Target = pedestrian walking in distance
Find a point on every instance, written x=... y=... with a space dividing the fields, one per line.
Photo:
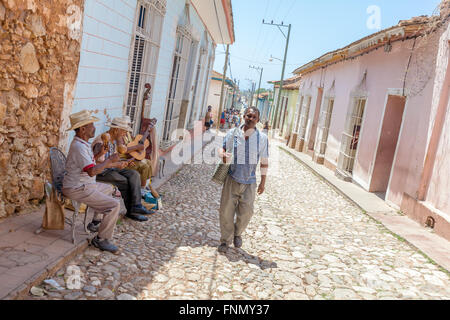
x=249 y=146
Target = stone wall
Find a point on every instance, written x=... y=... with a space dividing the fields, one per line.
x=39 y=56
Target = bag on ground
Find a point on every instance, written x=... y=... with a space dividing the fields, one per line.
x=54 y=210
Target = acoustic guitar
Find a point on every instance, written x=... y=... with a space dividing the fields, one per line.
x=140 y=140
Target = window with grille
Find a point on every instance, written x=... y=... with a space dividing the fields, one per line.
x=206 y=86
x=350 y=138
x=194 y=95
x=182 y=48
x=144 y=57
x=325 y=124
x=304 y=117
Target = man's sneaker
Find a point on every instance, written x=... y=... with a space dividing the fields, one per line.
x=93 y=226
x=237 y=241
x=137 y=217
x=223 y=248
x=140 y=209
x=104 y=245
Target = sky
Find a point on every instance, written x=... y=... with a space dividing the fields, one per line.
x=318 y=26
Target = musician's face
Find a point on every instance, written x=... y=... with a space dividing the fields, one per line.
x=121 y=133
x=88 y=130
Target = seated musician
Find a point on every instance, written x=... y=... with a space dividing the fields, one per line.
x=127 y=181
x=79 y=181
x=144 y=167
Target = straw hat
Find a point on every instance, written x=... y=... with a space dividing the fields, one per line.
x=82 y=118
x=120 y=123
x=127 y=119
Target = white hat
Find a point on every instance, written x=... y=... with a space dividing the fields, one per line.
x=127 y=119
x=80 y=119
x=120 y=123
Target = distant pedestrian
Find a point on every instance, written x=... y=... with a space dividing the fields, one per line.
x=222 y=120
x=266 y=128
x=239 y=190
x=208 y=118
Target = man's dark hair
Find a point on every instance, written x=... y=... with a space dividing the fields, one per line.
x=77 y=130
x=254 y=109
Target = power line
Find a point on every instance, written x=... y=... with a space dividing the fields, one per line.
x=265 y=63
x=259 y=32
x=290 y=9
x=273 y=38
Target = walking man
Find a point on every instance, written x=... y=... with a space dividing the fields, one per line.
x=80 y=183
x=249 y=146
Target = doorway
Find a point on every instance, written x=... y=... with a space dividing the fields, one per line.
x=286 y=101
x=387 y=144
x=312 y=138
x=326 y=121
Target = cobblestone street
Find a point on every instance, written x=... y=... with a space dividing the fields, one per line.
x=305 y=241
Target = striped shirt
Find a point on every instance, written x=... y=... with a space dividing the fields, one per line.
x=247 y=154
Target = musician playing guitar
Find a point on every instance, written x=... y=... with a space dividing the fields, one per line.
x=141 y=164
x=128 y=181
x=143 y=148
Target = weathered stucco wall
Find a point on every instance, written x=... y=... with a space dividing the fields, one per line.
x=39 y=55
x=439 y=189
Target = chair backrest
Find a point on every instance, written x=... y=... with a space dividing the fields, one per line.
x=58 y=168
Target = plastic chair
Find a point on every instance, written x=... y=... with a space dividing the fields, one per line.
x=58 y=169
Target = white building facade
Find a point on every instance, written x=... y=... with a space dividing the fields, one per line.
x=170 y=45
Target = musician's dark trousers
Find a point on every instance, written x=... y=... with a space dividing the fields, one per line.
x=128 y=182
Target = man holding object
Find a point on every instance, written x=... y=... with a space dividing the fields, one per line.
x=80 y=179
x=239 y=190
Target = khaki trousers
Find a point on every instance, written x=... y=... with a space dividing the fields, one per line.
x=145 y=170
x=95 y=197
x=237 y=200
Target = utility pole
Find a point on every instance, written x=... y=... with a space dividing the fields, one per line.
x=260 y=70
x=284 y=62
x=223 y=87
x=251 y=92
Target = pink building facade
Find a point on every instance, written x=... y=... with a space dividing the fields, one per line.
x=376 y=112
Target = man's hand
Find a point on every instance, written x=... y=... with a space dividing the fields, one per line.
x=104 y=150
x=226 y=157
x=99 y=150
x=261 y=188
x=123 y=164
x=114 y=158
x=140 y=147
x=119 y=165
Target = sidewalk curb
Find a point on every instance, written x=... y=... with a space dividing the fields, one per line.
x=22 y=291
x=422 y=242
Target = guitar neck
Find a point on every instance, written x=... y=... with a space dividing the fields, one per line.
x=144 y=137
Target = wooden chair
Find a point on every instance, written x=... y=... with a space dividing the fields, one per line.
x=58 y=169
